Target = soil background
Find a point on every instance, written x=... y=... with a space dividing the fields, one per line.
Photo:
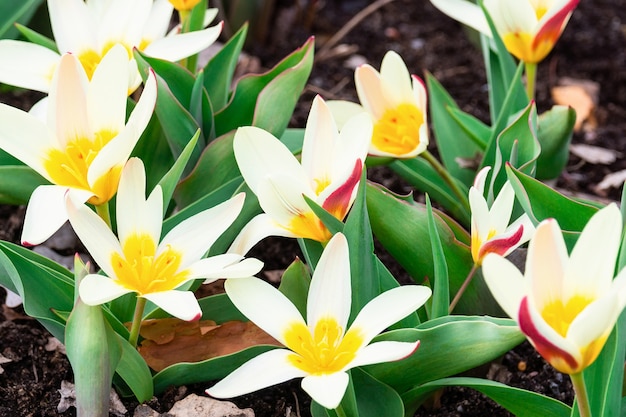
x=593 y=48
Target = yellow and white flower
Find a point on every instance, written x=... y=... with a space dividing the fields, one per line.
x=90 y=29
x=84 y=143
x=329 y=174
x=142 y=262
x=324 y=346
x=565 y=305
x=396 y=101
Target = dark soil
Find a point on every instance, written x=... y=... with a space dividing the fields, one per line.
x=592 y=48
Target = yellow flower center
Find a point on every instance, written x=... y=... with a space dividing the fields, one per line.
x=140 y=270
x=69 y=167
x=309 y=226
x=398 y=131
x=560 y=316
x=520 y=44
x=90 y=59
x=477 y=244
x=184 y=5
x=540 y=11
x=326 y=351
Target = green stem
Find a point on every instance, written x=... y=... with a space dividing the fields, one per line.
x=464 y=286
x=531 y=76
x=134 y=329
x=340 y=411
x=445 y=175
x=581 y=394
x=104 y=213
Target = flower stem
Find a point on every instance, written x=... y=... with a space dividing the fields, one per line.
x=104 y=213
x=445 y=175
x=581 y=394
x=134 y=329
x=463 y=287
x=531 y=76
x=340 y=411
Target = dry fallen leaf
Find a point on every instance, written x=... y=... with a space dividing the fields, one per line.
x=3 y=360
x=582 y=96
x=612 y=180
x=594 y=154
x=197 y=341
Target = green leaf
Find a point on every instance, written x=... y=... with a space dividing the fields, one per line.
x=441 y=291
x=17 y=183
x=153 y=149
x=44 y=285
x=453 y=142
x=134 y=372
x=541 y=202
x=402 y=229
x=218 y=72
x=268 y=100
x=478 y=131
x=448 y=346
x=294 y=284
x=205 y=371
x=520 y=402
x=421 y=175
x=37 y=38
x=11 y=12
x=220 y=309
x=555 y=131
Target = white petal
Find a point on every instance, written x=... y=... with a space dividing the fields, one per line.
x=320 y=137
x=465 y=12
x=343 y=110
x=481 y=220
x=330 y=289
x=108 y=91
x=95 y=235
x=25 y=137
x=27 y=65
x=225 y=266
x=512 y=16
x=388 y=308
x=45 y=214
x=122 y=21
x=353 y=144
x=194 y=236
x=381 y=352
x=158 y=22
x=259 y=154
x=267 y=369
x=595 y=321
x=502 y=207
x=97 y=289
x=505 y=282
x=116 y=152
x=396 y=82
x=135 y=214
x=264 y=305
x=175 y=48
x=368 y=87
x=545 y=263
x=481 y=177
x=592 y=261
x=72 y=26
x=257 y=229
x=327 y=390
x=181 y=304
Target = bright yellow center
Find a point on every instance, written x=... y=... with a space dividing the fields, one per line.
x=398 y=131
x=309 y=226
x=325 y=351
x=91 y=58
x=140 y=270
x=560 y=316
x=477 y=244
x=521 y=46
x=183 y=5
x=541 y=10
x=69 y=167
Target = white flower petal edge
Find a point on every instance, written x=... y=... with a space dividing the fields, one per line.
x=505 y=282
x=260 y=227
x=27 y=65
x=465 y=12
x=97 y=289
x=181 y=304
x=269 y=368
x=386 y=351
x=174 y=48
x=327 y=389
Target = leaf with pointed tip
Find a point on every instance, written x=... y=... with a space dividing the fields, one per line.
x=294 y=284
x=11 y=12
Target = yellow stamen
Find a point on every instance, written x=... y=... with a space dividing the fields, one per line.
x=69 y=167
x=398 y=131
x=140 y=270
x=326 y=351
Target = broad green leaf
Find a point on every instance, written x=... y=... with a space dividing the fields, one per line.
x=17 y=183
x=541 y=202
x=453 y=142
x=448 y=346
x=44 y=285
x=294 y=284
x=220 y=309
x=478 y=131
x=216 y=166
x=179 y=80
x=441 y=285
x=267 y=100
x=134 y=372
x=293 y=138
x=12 y=12
x=218 y=72
x=205 y=371
x=153 y=149
x=402 y=229
x=421 y=175
x=555 y=134
x=520 y=402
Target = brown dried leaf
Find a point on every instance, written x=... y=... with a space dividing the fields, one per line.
x=594 y=154
x=197 y=341
x=582 y=96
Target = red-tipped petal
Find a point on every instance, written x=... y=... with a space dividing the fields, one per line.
x=552 y=28
x=501 y=246
x=338 y=203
